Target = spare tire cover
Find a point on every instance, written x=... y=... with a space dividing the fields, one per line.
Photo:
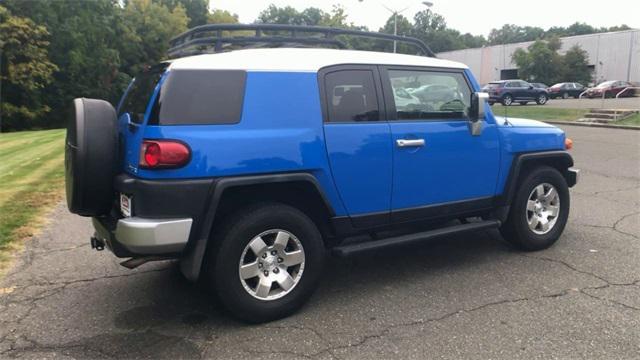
x=90 y=157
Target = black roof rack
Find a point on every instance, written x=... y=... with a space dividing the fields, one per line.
x=210 y=38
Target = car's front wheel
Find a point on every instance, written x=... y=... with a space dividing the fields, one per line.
x=539 y=211
x=541 y=99
x=267 y=262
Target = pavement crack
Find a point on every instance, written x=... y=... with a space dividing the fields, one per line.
x=567 y=265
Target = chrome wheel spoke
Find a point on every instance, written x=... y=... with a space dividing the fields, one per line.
x=550 y=196
x=531 y=205
x=249 y=271
x=554 y=210
x=533 y=222
x=540 y=191
x=263 y=288
x=285 y=281
x=281 y=240
x=257 y=245
x=293 y=258
x=544 y=224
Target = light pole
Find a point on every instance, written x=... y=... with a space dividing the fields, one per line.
x=395 y=13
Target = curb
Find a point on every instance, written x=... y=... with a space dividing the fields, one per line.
x=592 y=124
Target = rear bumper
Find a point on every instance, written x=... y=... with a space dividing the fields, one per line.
x=140 y=236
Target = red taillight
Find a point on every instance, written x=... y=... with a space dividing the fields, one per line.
x=163 y=154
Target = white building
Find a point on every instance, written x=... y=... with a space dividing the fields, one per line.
x=612 y=56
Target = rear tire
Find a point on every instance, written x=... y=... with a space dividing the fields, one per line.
x=565 y=96
x=507 y=100
x=251 y=237
x=525 y=225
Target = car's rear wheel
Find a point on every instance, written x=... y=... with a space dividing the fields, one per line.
x=507 y=100
x=268 y=261
x=565 y=95
x=539 y=211
x=541 y=99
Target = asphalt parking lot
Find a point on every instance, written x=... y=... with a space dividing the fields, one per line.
x=469 y=296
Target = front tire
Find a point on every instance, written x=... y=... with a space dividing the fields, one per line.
x=541 y=99
x=539 y=211
x=268 y=262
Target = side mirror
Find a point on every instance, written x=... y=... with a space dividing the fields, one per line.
x=530 y=87
x=476 y=112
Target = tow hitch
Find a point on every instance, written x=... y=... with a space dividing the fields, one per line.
x=97 y=244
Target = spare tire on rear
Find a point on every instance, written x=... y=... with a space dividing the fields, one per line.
x=90 y=157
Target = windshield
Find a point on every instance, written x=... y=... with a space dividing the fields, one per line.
x=137 y=98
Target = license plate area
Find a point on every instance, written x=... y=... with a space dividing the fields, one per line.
x=125 y=205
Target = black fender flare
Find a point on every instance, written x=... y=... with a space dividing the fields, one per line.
x=558 y=157
x=191 y=260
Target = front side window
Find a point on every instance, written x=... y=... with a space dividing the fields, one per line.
x=351 y=96
x=429 y=94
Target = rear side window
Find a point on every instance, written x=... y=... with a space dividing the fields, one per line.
x=351 y=96
x=137 y=98
x=200 y=97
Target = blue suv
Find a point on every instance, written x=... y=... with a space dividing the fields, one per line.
x=250 y=166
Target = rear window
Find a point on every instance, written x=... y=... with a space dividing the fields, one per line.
x=137 y=98
x=493 y=85
x=198 y=97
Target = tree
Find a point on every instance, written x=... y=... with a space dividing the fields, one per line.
x=221 y=17
x=25 y=71
x=147 y=29
x=576 y=65
x=196 y=10
x=510 y=33
x=540 y=62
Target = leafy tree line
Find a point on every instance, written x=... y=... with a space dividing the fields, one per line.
x=510 y=33
x=541 y=62
x=53 y=51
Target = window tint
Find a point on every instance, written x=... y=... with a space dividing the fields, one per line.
x=429 y=94
x=200 y=97
x=137 y=98
x=351 y=96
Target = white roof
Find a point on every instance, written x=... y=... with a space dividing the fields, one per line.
x=301 y=60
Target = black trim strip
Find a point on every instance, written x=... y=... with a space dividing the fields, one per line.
x=350 y=249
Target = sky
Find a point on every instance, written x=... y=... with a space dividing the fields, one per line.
x=474 y=16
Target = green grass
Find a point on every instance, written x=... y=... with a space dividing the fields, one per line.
x=634 y=120
x=539 y=112
x=31 y=182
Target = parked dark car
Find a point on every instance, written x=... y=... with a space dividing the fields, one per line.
x=509 y=91
x=566 y=90
x=610 y=89
x=540 y=85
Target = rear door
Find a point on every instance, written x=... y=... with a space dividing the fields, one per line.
x=439 y=168
x=358 y=141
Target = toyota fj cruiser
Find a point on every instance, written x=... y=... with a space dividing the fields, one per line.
x=251 y=165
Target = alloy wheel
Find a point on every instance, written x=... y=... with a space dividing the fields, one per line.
x=543 y=208
x=271 y=264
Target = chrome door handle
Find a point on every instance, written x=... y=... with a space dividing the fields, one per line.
x=411 y=142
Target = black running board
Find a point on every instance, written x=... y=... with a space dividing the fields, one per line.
x=349 y=249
